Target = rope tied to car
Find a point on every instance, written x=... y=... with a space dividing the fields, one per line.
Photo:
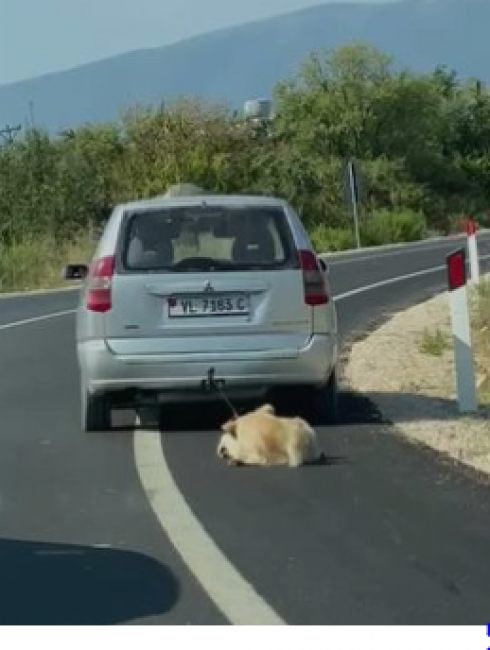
x=213 y=385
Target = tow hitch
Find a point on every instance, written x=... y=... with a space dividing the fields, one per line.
x=212 y=385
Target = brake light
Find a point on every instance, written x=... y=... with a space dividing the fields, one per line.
x=99 y=285
x=313 y=280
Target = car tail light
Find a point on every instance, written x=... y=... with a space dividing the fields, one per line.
x=99 y=285
x=313 y=280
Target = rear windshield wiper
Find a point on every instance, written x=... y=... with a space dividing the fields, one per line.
x=203 y=264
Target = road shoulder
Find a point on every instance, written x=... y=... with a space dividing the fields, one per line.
x=406 y=368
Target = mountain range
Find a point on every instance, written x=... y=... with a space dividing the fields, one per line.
x=247 y=61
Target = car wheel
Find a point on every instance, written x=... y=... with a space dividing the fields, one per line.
x=321 y=405
x=96 y=412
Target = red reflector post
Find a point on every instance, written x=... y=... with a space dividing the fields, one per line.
x=470 y=227
x=456 y=269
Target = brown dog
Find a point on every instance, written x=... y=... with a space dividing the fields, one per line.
x=263 y=438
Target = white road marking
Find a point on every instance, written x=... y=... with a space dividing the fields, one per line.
x=36 y=319
x=373 y=256
x=39 y=292
x=232 y=594
x=384 y=283
x=398 y=278
x=403 y=250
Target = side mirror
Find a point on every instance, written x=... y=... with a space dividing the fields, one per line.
x=75 y=272
x=97 y=232
x=323 y=265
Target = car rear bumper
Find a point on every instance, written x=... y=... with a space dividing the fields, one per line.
x=181 y=376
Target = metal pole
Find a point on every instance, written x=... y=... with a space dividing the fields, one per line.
x=353 y=194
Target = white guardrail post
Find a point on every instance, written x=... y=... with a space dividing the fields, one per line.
x=473 y=250
x=460 y=318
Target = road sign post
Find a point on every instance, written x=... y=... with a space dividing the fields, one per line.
x=460 y=319
x=473 y=250
x=354 y=198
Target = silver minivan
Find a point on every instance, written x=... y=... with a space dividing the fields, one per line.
x=183 y=286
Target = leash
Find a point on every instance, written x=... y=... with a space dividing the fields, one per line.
x=211 y=385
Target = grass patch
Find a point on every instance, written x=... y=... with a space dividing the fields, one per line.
x=480 y=326
x=379 y=228
x=484 y=393
x=37 y=263
x=434 y=343
x=326 y=239
x=387 y=227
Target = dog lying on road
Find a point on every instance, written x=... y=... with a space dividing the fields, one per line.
x=263 y=438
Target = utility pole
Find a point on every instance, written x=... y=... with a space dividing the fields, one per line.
x=9 y=133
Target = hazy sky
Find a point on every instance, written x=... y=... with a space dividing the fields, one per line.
x=39 y=36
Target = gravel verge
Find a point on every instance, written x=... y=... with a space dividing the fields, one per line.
x=406 y=368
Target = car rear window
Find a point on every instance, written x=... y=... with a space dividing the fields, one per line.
x=207 y=238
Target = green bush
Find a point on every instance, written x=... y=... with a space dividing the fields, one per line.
x=37 y=263
x=385 y=227
x=326 y=239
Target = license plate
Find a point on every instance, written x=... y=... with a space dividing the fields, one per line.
x=216 y=305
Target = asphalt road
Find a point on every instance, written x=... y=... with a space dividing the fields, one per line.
x=386 y=534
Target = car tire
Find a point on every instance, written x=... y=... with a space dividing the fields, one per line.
x=96 y=412
x=321 y=405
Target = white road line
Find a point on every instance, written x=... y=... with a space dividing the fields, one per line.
x=384 y=283
x=36 y=319
x=373 y=256
x=230 y=592
x=233 y=595
x=398 y=278
x=414 y=249
x=9 y=295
